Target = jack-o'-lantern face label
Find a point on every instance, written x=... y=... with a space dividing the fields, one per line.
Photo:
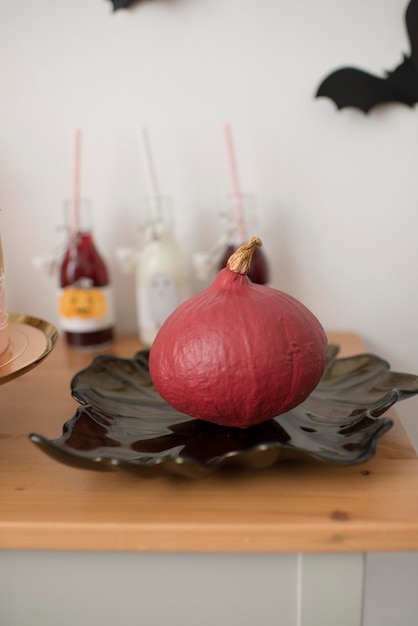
x=85 y=307
x=82 y=303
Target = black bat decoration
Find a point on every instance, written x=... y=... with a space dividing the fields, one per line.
x=121 y=4
x=352 y=87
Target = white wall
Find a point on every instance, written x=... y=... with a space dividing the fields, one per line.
x=336 y=190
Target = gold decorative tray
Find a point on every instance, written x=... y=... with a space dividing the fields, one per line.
x=30 y=341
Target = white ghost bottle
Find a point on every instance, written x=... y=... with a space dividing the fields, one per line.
x=162 y=280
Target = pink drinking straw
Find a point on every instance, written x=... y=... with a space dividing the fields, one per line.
x=236 y=191
x=75 y=203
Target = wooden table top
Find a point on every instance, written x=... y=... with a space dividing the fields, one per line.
x=296 y=506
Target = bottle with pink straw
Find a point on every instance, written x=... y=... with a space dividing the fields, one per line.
x=85 y=296
x=240 y=215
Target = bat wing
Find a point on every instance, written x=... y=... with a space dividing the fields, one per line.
x=411 y=18
x=351 y=87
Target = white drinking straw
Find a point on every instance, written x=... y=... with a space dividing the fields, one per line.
x=236 y=190
x=149 y=168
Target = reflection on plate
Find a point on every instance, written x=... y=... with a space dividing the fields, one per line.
x=30 y=341
x=124 y=423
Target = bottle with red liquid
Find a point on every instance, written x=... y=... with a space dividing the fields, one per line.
x=239 y=228
x=85 y=298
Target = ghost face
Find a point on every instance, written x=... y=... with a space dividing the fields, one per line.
x=161 y=297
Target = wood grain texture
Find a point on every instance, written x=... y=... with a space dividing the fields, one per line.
x=297 y=506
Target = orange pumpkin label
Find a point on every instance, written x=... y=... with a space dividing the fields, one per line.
x=85 y=309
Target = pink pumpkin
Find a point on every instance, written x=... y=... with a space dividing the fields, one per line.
x=238 y=353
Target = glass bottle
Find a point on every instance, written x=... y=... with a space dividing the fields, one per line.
x=239 y=227
x=85 y=298
x=161 y=273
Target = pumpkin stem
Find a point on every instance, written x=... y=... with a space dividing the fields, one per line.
x=240 y=260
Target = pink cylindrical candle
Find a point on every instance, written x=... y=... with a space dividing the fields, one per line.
x=4 y=337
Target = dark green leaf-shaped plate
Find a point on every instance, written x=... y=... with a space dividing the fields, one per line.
x=124 y=423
